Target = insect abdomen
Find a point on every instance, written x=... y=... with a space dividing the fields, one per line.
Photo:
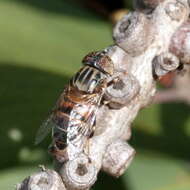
x=72 y=120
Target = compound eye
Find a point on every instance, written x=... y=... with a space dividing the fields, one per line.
x=106 y=65
x=89 y=57
x=100 y=61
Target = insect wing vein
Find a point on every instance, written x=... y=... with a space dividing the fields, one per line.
x=44 y=130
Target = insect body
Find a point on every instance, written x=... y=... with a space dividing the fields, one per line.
x=73 y=119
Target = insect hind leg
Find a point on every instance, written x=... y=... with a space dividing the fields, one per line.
x=60 y=155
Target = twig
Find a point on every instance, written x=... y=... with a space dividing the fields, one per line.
x=146 y=47
x=46 y=179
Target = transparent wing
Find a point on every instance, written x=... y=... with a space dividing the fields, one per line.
x=44 y=130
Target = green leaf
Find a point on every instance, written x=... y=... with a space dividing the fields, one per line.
x=154 y=172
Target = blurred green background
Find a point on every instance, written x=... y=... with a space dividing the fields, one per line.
x=42 y=44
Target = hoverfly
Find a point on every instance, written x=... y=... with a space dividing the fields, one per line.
x=73 y=119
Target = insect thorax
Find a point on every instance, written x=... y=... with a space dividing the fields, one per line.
x=88 y=79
